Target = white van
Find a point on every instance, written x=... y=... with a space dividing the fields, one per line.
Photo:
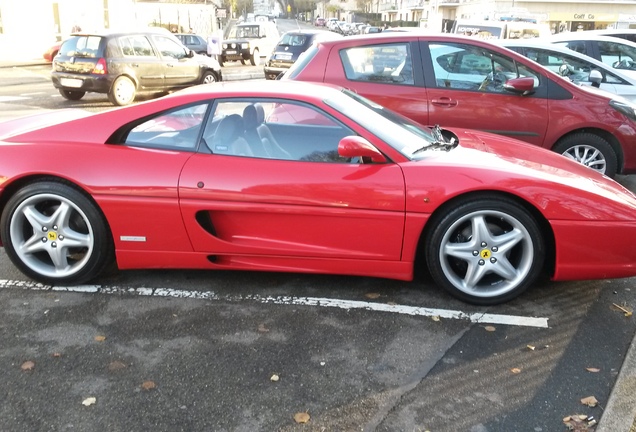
x=500 y=29
x=249 y=41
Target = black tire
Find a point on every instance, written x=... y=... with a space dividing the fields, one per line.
x=243 y=62
x=591 y=150
x=485 y=250
x=255 y=58
x=72 y=95
x=208 y=78
x=65 y=238
x=220 y=62
x=122 y=92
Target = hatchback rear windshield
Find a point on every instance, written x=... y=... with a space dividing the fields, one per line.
x=81 y=46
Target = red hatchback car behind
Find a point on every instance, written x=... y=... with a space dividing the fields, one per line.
x=469 y=83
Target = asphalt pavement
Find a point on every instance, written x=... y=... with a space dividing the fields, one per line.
x=620 y=412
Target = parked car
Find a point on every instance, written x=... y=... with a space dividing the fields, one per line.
x=240 y=184
x=196 y=43
x=372 y=29
x=578 y=68
x=320 y=22
x=123 y=64
x=627 y=34
x=466 y=82
x=289 y=48
x=249 y=41
x=52 y=51
x=615 y=52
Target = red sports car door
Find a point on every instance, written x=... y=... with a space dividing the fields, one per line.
x=303 y=201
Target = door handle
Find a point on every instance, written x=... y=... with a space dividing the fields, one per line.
x=444 y=101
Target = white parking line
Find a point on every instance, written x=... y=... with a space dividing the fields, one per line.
x=478 y=317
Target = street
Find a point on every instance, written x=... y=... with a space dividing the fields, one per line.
x=247 y=351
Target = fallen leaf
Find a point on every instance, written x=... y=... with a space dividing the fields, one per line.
x=515 y=370
x=89 y=401
x=530 y=347
x=262 y=328
x=435 y=318
x=391 y=303
x=28 y=366
x=57 y=354
x=148 y=385
x=372 y=295
x=275 y=378
x=589 y=401
x=301 y=417
x=592 y=369
x=490 y=328
x=116 y=365
x=578 y=423
x=100 y=338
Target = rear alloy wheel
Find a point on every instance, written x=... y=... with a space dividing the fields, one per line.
x=255 y=58
x=55 y=234
x=590 y=150
x=122 y=92
x=485 y=250
x=208 y=78
x=73 y=95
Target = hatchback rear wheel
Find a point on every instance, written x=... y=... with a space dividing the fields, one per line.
x=72 y=94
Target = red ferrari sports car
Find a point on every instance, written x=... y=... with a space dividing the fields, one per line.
x=290 y=176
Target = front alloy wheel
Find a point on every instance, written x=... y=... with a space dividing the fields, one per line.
x=590 y=150
x=485 y=251
x=54 y=234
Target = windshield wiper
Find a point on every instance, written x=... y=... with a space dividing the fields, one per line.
x=440 y=142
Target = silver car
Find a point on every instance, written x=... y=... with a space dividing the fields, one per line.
x=579 y=68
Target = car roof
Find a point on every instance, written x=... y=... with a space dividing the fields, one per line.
x=121 y=32
x=267 y=88
x=541 y=44
x=586 y=36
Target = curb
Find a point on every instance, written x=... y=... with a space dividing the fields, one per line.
x=620 y=412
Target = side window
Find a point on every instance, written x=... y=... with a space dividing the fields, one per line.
x=170 y=48
x=578 y=46
x=136 y=46
x=388 y=63
x=465 y=67
x=618 y=56
x=274 y=129
x=176 y=129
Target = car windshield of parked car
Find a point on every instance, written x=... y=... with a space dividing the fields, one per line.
x=81 y=46
x=577 y=70
x=293 y=40
x=401 y=133
x=244 y=31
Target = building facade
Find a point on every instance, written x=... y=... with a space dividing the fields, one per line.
x=25 y=34
x=560 y=15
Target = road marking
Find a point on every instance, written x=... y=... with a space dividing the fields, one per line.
x=11 y=98
x=476 y=317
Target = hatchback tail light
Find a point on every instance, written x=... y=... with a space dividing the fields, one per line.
x=100 y=67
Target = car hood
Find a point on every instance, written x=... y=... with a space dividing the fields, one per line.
x=558 y=186
x=239 y=40
x=207 y=61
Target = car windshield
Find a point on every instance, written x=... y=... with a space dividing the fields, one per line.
x=81 y=46
x=293 y=40
x=401 y=133
x=247 y=31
